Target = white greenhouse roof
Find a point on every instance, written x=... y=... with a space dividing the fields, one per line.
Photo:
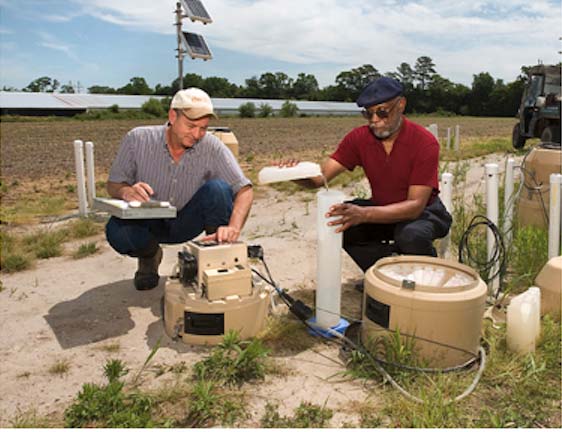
x=78 y=101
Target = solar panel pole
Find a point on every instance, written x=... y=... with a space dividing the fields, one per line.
x=179 y=16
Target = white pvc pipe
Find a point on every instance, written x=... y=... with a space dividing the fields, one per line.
x=554 y=217
x=447 y=198
x=80 y=180
x=433 y=128
x=90 y=173
x=508 y=202
x=492 y=213
x=457 y=138
x=448 y=138
x=328 y=270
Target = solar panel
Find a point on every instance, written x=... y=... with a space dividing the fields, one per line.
x=195 y=11
x=196 y=46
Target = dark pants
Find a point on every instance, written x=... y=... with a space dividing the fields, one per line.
x=210 y=207
x=367 y=243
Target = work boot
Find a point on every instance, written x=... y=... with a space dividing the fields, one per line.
x=147 y=276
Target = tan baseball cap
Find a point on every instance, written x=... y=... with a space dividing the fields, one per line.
x=194 y=102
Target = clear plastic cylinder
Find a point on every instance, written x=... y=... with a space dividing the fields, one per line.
x=328 y=270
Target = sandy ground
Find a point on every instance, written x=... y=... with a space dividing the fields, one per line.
x=69 y=310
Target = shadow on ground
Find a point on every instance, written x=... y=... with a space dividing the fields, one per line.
x=100 y=313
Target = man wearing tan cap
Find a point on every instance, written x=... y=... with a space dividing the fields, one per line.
x=181 y=163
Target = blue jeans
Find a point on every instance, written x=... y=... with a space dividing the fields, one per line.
x=367 y=243
x=210 y=207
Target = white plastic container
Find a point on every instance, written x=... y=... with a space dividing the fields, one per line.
x=523 y=321
x=301 y=170
x=328 y=270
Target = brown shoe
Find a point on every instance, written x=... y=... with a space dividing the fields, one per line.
x=147 y=276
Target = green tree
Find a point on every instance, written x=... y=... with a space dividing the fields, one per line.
x=305 y=87
x=406 y=75
x=482 y=87
x=423 y=70
x=265 y=110
x=44 y=84
x=288 y=109
x=67 y=88
x=274 y=85
x=247 y=110
x=219 y=87
x=97 y=89
x=252 y=88
x=136 y=86
x=153 y=107
x=352 y=82
x=163 y=90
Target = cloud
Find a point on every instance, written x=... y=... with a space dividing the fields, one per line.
x=47 y=40
x=354 y=32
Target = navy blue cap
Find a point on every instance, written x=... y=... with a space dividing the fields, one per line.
x=379 y=91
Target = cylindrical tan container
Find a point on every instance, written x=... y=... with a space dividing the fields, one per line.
x=227 y=137
x=438 y=301
x=534 y=200
x=549 y=280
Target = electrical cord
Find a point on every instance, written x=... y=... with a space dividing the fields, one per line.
x=343 y=340
x=498 y=258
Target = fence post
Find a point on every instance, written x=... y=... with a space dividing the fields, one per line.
x=492 y=213
x=554 y=219
x=81 y=181
x=90 y=174
x=448 y=138
x=457 y=138
x=447 y=196
x=508 y=201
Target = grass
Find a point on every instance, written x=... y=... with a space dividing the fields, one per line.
x=19 y=252
x=514 y=391
x=111 y=347
x=31 y=420
x=60 y=367
x=85 y=250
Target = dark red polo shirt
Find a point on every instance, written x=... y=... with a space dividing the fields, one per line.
x=414 y=160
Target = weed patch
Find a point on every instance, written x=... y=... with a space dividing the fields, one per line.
x=60 y=367
x=109 y=405
x=306 y=415
x=85 y=250
x=233 y=361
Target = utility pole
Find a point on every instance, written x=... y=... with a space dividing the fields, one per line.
x=178 y=24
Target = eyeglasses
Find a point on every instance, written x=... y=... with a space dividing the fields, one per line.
x=380 y=112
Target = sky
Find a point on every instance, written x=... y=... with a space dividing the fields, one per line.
x=107 y=42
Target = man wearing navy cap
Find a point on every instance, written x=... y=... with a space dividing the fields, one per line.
x=400 y=159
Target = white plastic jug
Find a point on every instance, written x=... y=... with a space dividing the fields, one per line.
x=523 y=321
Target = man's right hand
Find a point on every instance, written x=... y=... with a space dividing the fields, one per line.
x=138 y=192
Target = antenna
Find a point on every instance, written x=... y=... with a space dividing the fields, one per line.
x=192 y=44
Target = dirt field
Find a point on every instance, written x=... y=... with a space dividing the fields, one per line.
x=37 y=149
x=72 y=310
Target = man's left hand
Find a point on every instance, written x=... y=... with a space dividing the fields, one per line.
x=350 y=215
x=224 y=234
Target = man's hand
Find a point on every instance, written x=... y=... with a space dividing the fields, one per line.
x=224 y=234
x=350 y=215
x=138 y=192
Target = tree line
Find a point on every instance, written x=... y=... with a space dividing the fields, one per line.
x=426 y=90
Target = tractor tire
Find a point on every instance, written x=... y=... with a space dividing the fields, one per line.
x=517 y=140
x=551 y=134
